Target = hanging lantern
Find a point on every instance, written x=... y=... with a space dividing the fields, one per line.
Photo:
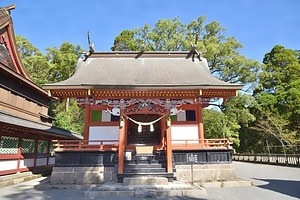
x=140 y=128
x=151 y=127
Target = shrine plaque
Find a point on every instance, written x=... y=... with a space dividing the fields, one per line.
x=191 y=158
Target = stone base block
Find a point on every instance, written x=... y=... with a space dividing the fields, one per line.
x=205 y=172
x=81 y=175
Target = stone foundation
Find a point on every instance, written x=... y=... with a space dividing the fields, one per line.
x=145 y=181
x=82 y=175
x=205 y=172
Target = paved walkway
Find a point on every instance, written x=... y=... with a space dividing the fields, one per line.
x=272 y=182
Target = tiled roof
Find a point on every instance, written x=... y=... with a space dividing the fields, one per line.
x=57 y=132
x=133 y=70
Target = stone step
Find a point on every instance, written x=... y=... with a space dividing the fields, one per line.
x=144 y=170
x=142 y=165
x=17 y=178
x=169 y=176
x=176 y=188
x=13 y=176
x=140 y=161
x=145 y=181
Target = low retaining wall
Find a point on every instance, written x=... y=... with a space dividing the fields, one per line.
x=205 y=172
x=274 y=159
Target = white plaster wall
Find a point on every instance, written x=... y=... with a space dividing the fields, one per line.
x=8 y=165
x=25 y=163
x=104 y=133
x=186 y=132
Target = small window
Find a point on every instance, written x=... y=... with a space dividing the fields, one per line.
x=190 y=115
x=115 y=118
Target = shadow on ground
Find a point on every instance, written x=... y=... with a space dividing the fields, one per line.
x=287 y=187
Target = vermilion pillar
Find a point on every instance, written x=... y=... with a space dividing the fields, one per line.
x=169 y=146
x=86 y=122
x=200 y=124
x=121 y=146
x=163 y=133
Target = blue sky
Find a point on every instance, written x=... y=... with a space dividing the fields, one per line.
x=258 y=24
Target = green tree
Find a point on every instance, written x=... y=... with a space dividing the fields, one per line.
x=278 y=96
x=227 y=120
x=71 y=119
x=222 y=52
x=214 y=123
x=34 y=61
x=58 y=64
x=63 y=61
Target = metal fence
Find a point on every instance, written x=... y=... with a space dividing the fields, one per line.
x=292 y=160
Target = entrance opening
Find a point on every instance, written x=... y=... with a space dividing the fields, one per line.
x=146 y=137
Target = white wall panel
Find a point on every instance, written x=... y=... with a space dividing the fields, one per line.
x=104 y=133
x=187 y=132
x=8 y=165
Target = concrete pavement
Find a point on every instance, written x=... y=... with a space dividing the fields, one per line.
x=271 y=182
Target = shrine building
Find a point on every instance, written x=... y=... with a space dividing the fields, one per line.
x=26 y=130
x=143 y=107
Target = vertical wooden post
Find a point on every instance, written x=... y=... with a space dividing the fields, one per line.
x=48 y=151
x=169 y=147
x=163 y=133
x=19 y=153
x=121 y=146
x=200 y=124
x=86 y=122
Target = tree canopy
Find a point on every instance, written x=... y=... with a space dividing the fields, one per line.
x=278 y=95
x=222 y=52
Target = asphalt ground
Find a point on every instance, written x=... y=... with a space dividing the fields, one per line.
x=271 y=183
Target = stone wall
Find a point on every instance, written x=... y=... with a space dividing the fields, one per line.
x=82 y=175
x=205 y=172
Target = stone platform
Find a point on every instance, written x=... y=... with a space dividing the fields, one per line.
x=141 y=188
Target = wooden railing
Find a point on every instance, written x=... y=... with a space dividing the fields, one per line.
x=86 y=145
x=274 y=159
x=201 y=144
x=112 y=145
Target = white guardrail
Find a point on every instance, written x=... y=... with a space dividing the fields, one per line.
x=292 y=160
